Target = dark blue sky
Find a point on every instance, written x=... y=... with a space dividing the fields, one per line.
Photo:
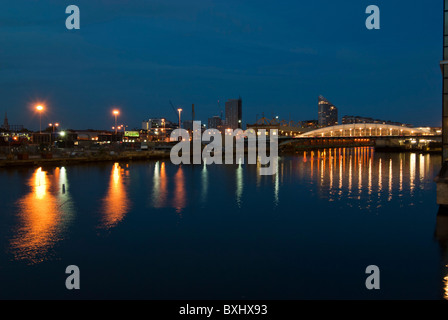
x=277 y=55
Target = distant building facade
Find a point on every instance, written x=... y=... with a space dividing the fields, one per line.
x=214 y=122
x=153 y=123
x=156 y=129
x=234 y=113
x=309 y=123
x=358 y=119
x=327 y=113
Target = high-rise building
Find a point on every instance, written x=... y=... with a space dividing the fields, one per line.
x=234 y=113
x=327 y=113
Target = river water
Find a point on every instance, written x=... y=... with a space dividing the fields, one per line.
x=155 y=230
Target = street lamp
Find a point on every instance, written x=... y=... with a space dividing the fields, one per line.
x=116 y=113
x=52 y=126
x=179 y=110
x=40 y=109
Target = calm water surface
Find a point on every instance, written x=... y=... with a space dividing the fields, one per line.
x=154 y=230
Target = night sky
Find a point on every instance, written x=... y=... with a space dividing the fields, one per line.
x=279 y=56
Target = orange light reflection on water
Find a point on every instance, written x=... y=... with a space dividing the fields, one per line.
x=43 y=214
x=179 y=199
x=374 y=178
x=116 y=203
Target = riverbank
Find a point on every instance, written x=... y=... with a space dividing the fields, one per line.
x=65 y=161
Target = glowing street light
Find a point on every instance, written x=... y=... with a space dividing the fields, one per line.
x=40 y=109
x=53 y=126
x=116 y=113
x=122 y=127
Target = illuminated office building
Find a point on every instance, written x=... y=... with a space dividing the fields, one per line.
x=327 y=113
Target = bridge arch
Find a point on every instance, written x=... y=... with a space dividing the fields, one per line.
x=366 y=130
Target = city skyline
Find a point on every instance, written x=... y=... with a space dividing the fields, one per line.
x=224 y=155
x=326 y=117
x=139 y=56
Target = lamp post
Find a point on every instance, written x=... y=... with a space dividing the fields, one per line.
x=116 y=113
x=53 y=126
x=179 y=110
x=40 y=109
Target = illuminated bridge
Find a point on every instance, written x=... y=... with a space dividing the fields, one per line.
x=367 y=130
x=364 y=134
